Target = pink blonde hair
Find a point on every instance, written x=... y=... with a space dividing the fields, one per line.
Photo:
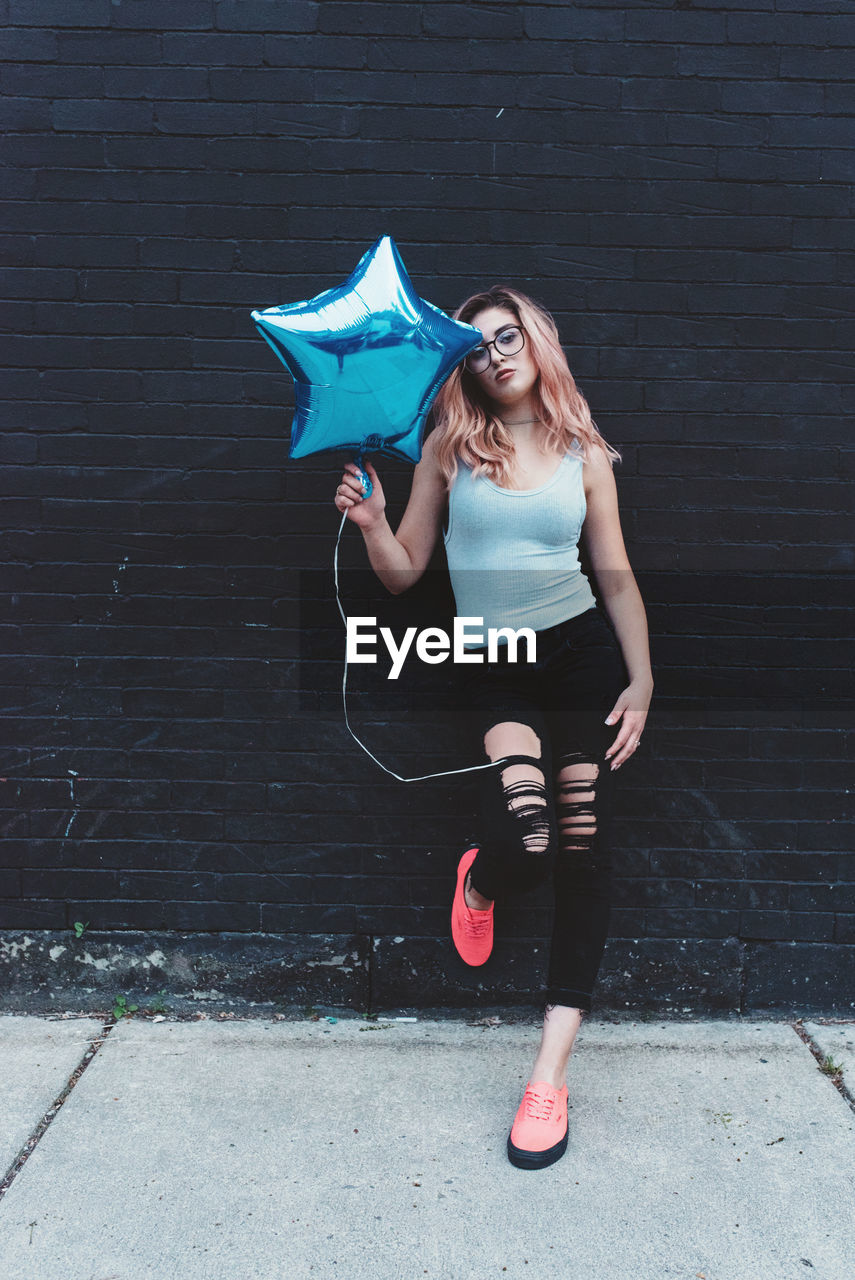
x=471 y=433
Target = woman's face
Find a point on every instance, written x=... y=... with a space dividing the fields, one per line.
x=507 y=380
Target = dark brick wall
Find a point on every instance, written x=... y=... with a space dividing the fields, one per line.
x=675 y=182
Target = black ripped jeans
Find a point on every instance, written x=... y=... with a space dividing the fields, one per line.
x=552 y=812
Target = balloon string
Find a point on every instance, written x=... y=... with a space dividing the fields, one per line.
x=447 y=773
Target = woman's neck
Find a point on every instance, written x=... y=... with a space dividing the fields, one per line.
x=520 y=418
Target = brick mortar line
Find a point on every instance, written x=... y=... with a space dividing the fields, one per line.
x=50 y=1115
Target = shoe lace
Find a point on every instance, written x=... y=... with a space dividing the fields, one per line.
x=478 y=922
x=538 y=1105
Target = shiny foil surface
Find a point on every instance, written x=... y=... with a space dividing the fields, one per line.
x=367 y=359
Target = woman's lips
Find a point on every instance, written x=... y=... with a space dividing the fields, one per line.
x=505 y=374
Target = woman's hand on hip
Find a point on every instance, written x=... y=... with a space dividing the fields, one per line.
x=631 y=710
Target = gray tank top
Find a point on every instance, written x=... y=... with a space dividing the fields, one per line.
x=513 y=554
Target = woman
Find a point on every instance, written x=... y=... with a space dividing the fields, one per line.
x=522 y=471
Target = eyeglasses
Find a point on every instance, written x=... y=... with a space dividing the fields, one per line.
x=507 y=343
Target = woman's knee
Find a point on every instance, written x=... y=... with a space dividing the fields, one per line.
x=512 y=737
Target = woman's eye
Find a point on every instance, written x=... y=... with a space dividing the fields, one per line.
x=508 y=338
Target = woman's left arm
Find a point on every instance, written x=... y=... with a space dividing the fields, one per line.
x=621 y=597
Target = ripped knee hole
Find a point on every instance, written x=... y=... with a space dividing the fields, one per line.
x=525 y=798
x=576 y=802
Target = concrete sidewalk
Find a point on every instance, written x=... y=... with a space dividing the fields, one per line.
x=283 y=1150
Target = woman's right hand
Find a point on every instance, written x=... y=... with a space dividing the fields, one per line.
x=364 y=512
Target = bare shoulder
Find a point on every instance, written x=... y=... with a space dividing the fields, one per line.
x=597 y=471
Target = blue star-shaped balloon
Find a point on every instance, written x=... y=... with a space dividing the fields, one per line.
x=367 y=357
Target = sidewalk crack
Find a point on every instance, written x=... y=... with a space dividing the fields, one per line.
x=50 y=1115
x=836 y=1078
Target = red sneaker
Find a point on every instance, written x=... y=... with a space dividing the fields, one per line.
x=472 y=931
x=539 y=1133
